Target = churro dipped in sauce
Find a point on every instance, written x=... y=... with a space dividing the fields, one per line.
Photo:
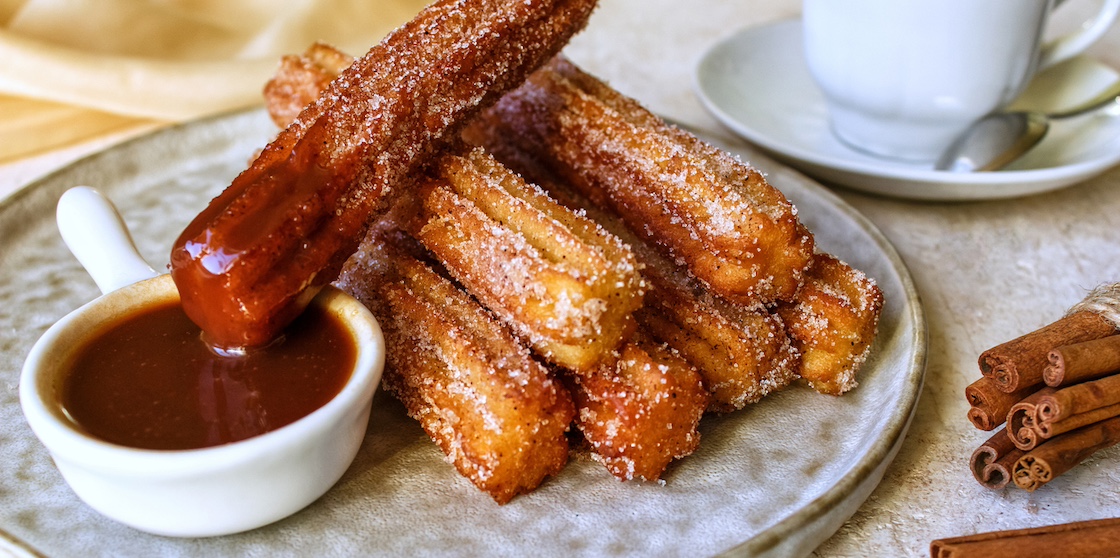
x=257 y=255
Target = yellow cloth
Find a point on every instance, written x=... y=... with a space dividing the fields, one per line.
x=74 y=69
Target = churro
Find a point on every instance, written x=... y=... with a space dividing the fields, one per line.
x=300 y=79
x=833 y=320
x=641 y=411
x=558 y=279
x=251 y=261
x=478 y=393
x=698 y=204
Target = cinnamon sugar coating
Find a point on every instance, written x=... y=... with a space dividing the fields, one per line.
x=698 y=204
x=641 y=411
x=250 y=262
x=558 y=279
x=833 y=321
x=496 y=413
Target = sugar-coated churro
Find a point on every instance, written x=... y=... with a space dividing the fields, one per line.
x=641 y=411
x=300 y=80
x=250 y=262
x=558 y=279
x=478 y=393
x=833 y=321
x=698 y=204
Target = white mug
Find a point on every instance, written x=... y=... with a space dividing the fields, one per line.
x=902 y=79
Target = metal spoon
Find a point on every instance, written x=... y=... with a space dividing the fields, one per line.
x=996 y=140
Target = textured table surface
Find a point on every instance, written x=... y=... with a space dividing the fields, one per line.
x=986 y=272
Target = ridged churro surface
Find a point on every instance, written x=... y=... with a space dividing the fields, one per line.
x=833 y=321
x=698 y=204
x=742 y=353
x=558 y=279
x=496 y=413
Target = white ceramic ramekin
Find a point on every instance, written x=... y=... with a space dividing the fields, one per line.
x=210 y=491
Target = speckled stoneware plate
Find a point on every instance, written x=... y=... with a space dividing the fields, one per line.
x=775 y=479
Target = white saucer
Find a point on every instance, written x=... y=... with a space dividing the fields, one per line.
x=756 y=83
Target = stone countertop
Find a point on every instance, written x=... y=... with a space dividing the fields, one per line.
x=986 y=272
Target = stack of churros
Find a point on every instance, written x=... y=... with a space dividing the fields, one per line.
x=742 y=352
x=566 y=286
x=738 y=237
x=658 y=277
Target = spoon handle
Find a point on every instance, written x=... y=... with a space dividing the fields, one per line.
x=1109 y=95
x=97 y=235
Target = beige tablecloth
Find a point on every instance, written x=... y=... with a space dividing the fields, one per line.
x=74 y=70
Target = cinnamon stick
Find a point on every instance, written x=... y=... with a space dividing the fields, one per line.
x=1047 y=430
x=1071 y=364
x=992 y=462
x=988 y=404
x=1077 y=400
x=1061 y=453
x=1021 y=420
x=1018 y=364
x=1098 y=538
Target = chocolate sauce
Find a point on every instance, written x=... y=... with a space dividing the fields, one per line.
x=151 y=382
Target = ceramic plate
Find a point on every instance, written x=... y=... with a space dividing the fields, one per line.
x=775 y=479
x=757 y=84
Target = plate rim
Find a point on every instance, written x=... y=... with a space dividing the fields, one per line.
x=868 y=472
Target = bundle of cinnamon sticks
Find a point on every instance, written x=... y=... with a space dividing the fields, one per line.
x=1057 y=391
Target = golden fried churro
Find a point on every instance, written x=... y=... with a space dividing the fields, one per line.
x=558 y=279
x=833 y=321
x=742 y=352
x=641 y=411
x=698 y=204
x=251 y=261
x=477 y=392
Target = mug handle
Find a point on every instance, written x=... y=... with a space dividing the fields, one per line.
x=1068 y=46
